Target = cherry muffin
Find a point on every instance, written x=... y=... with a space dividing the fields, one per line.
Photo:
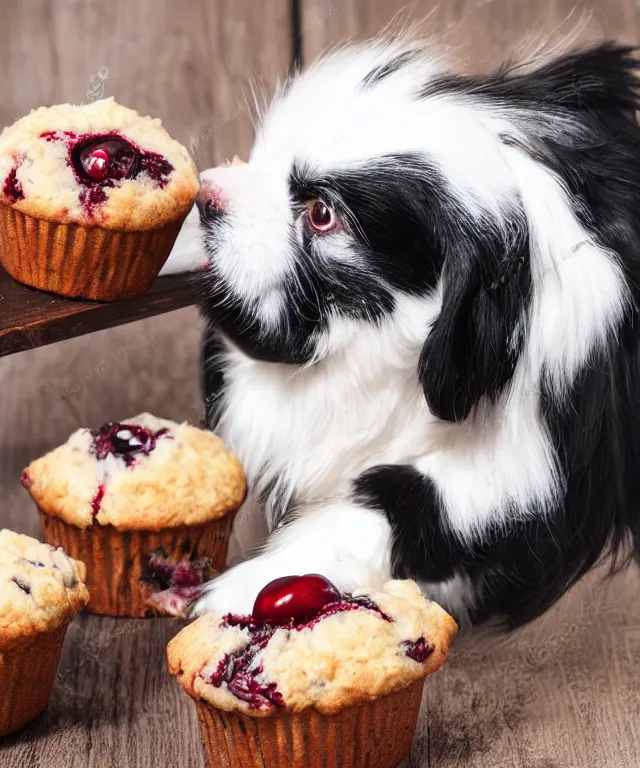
x=41 y=589
x=313 y=677
x=92 y=198
x=146 y=504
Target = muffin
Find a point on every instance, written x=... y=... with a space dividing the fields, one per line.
x=146 y=504
x=313 y=678
x=92 y=198
x=41 y=589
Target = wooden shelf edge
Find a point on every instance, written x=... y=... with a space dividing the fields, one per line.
x=31 y=319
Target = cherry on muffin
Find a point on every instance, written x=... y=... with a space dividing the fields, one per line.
x=293 y=597
x=105 y=160
x=293 y=603
x=124 y=441
x=103 y=168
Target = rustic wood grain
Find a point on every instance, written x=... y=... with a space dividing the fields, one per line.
x=478 y=33
x=563 y=693
x=30 y=318
x=189 y=63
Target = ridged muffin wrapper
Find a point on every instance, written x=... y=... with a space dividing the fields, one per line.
x=115 y=560
x=83 y=262
x=27 y=675
x=377 y=734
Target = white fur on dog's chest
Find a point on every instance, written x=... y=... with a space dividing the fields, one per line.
x=314 y=432
x=315 y=429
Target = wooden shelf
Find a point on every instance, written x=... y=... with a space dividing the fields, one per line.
x=30 y=318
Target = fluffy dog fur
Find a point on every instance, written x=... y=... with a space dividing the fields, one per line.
x=443 y=383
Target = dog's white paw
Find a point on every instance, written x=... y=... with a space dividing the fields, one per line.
x=233 y=592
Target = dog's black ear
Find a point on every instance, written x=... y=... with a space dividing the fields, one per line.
x=473 y=345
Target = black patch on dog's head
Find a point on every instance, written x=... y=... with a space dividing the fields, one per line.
x=382 y=71
x=410 y=231
x=391 y=208
x=576 y=116
x=602 y=78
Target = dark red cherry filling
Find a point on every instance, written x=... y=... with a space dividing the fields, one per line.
x=240 y=674
x=104 y=160
x=90 y=197
x=96 y=501
x=293 y=603
x=165 y=573
x=25 y=480
x=172 y=586
x=419 y=651
x=126 y=441
x=156 y=167
x=293 y=597
x=12 y=187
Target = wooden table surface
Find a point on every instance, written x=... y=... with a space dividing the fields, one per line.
x=562 y=694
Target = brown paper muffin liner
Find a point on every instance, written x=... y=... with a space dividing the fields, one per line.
x=83 y=262
x=377 y=734
x=27 y=675
x=115 y=560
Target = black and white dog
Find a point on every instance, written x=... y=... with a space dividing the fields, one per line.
x=423 y=327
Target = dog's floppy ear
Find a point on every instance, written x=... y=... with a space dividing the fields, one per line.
x=473 y=345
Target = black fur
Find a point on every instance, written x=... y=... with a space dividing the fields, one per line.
x=593 y=82
x=403 y=214
x=382 y=71
x=393 y=207
x=212 y=376
x=423 y=547
x=520 y=570
x=474 y=345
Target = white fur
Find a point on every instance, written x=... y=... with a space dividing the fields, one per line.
x=313 y=429
x=259 y=208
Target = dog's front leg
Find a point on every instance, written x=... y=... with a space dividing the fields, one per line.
x=345 y=543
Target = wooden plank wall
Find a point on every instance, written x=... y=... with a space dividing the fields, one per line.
x=563 y=694
x=186 y=62
x=480 y=33
x=190 y=64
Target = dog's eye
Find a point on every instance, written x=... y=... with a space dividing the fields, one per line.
x=321 y=216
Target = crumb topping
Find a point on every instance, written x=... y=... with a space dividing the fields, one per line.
x=353 y=649
x=40 y=587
